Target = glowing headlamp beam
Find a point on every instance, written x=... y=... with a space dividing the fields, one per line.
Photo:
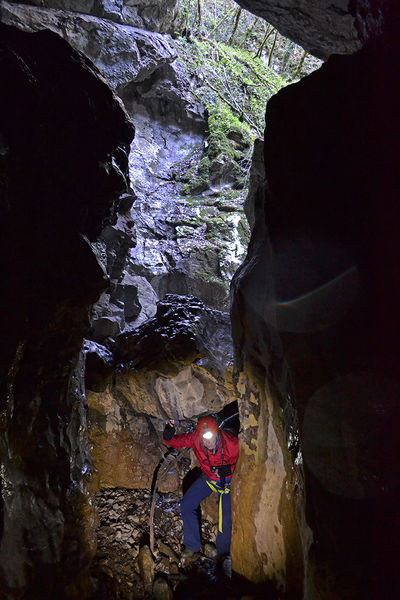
x=208 y=435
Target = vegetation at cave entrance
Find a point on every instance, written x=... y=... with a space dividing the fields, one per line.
x=236 y=62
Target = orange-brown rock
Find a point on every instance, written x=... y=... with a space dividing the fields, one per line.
x=125 y=448
x=178 y=391
x=265 y=542
x=126 y=419
x=176 y=365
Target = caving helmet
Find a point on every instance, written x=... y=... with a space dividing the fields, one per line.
x=207 y=427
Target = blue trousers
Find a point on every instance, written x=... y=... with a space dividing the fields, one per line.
x=190 y=515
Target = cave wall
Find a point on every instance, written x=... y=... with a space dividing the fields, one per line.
x=178 y=365
x=64 y=141
x=315 y=316
x=159 y=244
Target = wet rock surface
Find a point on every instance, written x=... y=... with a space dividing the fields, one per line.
x=163 y=241
x=184 y=329
x=323 y=28
x=155 y=15
x=122 y=53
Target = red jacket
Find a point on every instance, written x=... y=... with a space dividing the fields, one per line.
x=208 y=459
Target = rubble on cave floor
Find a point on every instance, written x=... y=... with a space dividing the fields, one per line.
x=125 y=569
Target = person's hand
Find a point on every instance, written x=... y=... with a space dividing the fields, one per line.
x=169 y=430
x=224 y=471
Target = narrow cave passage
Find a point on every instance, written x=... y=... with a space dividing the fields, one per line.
x=160 y=344
x=140 y=537
x=286 y=312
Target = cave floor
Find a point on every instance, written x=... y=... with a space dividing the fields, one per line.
x=125 y=569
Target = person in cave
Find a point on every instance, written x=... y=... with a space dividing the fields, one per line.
x=217 y=453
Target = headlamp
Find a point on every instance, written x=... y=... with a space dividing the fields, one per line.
x=207 y=435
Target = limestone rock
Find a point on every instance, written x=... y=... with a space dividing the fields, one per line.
x=155 y=15
x=118 y=558
x=209 y=509
x=176 y=251
x=98 y=367
x=322 y=27
x=122 y=53
x=167 y=551
x=266 y=541
x=175 y=365
x=145 y=299
x=182 y=330
x=125 y=451
x=257 y=178
x=146 y=565
x=169 y=246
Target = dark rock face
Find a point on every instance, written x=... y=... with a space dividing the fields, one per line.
x=64 y=140
x=326 y=27
x=163 y=241
x=320 y=323
x=155 y=15
x=322 y=28
x=122 y=53
x=183 y=329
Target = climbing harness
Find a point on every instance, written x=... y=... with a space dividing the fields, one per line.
x=220 y=491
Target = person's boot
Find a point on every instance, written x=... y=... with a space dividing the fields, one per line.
x=224 y=567
x=227 y=566
x=186 y=553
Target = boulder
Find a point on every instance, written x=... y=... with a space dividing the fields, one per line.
x=322 y=28
x=146 y=566
x=121 y=52
x=183 y=330
x=156 y=15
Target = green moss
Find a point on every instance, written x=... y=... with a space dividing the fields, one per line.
x=243 y=231
x=209 y=277
x=234 y=87
x=197 y=177
x=218 y=229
